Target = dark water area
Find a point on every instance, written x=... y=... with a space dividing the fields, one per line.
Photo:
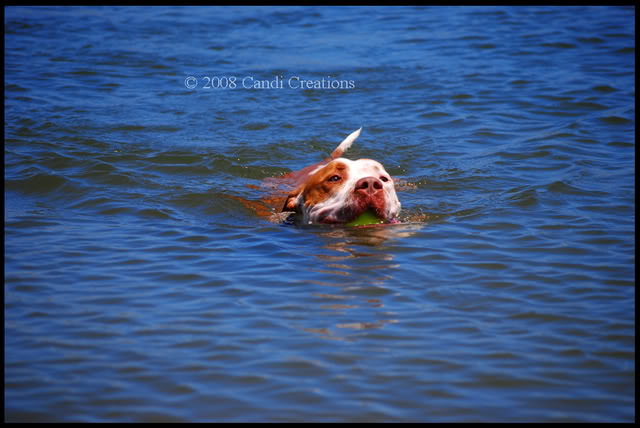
x=139 y=287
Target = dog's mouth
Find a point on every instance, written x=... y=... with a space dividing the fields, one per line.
x=348 y=214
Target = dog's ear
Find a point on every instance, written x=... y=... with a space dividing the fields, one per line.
x=292 y=202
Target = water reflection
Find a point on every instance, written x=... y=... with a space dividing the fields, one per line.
x=345 y=238
x=357 y=253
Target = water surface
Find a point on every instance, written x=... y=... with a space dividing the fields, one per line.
x=138 y=287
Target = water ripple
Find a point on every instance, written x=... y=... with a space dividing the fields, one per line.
x=133 y=257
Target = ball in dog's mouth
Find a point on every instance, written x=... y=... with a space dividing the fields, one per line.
x=366 y=218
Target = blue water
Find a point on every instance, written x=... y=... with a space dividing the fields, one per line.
x=139 y=286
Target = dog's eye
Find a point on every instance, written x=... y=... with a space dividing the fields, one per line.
x=335 y=178
x=384 y=179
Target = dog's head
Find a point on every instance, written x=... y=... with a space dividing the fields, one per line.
x=338 y=192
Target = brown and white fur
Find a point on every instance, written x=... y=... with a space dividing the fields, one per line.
x=338 y=190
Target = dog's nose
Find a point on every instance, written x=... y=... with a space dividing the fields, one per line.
x=368 y=185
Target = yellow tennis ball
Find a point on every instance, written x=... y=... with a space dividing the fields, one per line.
x=367 y=217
